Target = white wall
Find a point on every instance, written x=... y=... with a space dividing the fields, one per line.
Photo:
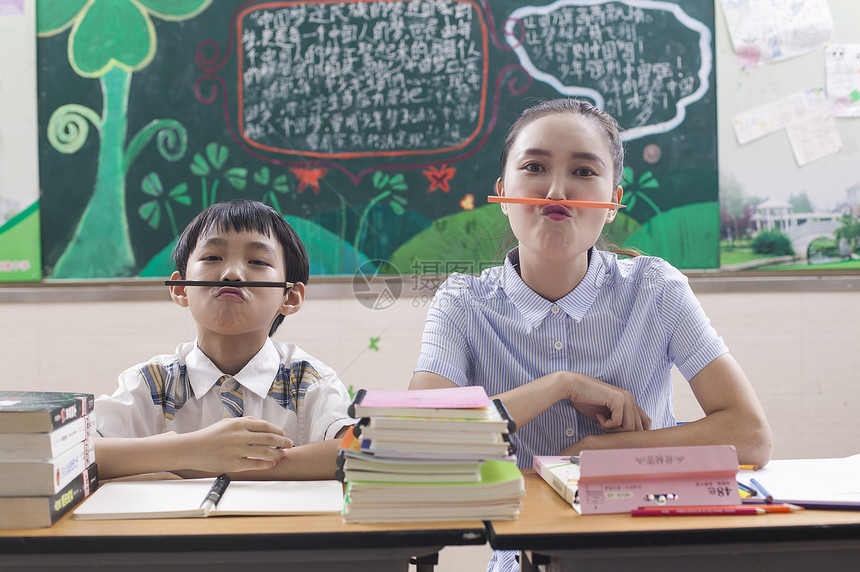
x=799 y=348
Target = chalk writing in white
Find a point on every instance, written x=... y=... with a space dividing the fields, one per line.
x=358 y=79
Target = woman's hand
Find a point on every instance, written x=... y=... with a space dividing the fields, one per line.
x=614 y=409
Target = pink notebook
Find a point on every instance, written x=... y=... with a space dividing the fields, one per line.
x=460 y=402
x=454 y=398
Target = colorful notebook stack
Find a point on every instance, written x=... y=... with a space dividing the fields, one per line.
x=429 y=455
x=47 y=456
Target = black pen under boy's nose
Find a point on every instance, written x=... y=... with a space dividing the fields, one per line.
x=233 y=283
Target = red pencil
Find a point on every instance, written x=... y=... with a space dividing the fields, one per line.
x=698 y=511
x=780 y=507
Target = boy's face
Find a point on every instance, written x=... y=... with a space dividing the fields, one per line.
x=241 y=257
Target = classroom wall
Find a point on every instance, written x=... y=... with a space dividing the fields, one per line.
x=796 y=341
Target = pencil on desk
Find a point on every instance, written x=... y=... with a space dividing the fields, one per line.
x=766 y=508
x=746 y=489
x=748 y=467
x=698 y=511
x=767 y=496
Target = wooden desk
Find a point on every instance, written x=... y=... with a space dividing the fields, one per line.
x=550 y=532
x=232 y=543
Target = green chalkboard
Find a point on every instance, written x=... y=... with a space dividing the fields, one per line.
x=374 y=127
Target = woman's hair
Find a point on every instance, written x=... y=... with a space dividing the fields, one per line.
x=604 y=121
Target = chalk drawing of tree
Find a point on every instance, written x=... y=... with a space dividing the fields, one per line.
x=109 y=40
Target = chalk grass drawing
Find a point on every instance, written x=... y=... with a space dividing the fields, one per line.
x=150 y=211
x=271 y=187
x=388 y=187
x=634 y=188
x=109 y=40
x=210 y=168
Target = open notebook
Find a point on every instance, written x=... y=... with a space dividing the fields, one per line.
x=812 y=483
x=182 y=499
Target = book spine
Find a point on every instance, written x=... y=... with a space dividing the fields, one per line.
x=75 y=463
x=555 y=482
x=78 y=407
x=77 y=490
x=41 y=412
x=46 y=446
x=39 y=478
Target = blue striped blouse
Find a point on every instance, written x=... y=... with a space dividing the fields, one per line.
x=626 y=323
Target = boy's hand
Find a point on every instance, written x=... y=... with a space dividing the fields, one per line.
x=237 y=444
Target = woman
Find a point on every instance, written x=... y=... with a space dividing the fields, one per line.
x=576 y=342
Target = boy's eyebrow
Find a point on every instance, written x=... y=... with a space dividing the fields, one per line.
x=253 y=245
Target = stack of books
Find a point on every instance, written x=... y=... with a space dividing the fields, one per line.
x=47 y=456
x=429 y=455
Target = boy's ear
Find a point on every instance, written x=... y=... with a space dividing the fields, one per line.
x=178 y=293
x=293 y=300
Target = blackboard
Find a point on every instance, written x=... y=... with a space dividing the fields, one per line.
x=373 y=126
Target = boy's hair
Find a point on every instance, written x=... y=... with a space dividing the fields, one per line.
x=246 y=216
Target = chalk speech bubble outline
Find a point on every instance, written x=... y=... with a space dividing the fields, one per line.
x=635 y=132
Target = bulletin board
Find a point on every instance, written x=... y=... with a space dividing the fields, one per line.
x=767 y=168
x=373 y=126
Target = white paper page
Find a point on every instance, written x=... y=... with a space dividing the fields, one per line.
x=764 y=31
x=757 y=122
x=779 y=114
x=835 y=480
x=806 y=118
x=145 y=499
x=182 y=498
x=843 y=79
x=281 y=497
x=814 y=138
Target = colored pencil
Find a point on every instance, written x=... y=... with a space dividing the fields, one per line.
x=747 y=489
x=566 y=203
x=698 y=511
x=771 y=508
x=767 y=496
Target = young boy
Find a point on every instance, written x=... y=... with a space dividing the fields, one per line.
x=233 y=400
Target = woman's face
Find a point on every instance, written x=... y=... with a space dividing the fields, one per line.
x=559 y=156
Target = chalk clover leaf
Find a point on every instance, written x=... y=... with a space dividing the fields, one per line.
x=111 y=33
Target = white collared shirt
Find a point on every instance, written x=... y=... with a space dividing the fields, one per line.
x=281 y=384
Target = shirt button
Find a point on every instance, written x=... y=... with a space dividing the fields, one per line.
x=558 y=345
x=554 y=309
x=569 y=431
